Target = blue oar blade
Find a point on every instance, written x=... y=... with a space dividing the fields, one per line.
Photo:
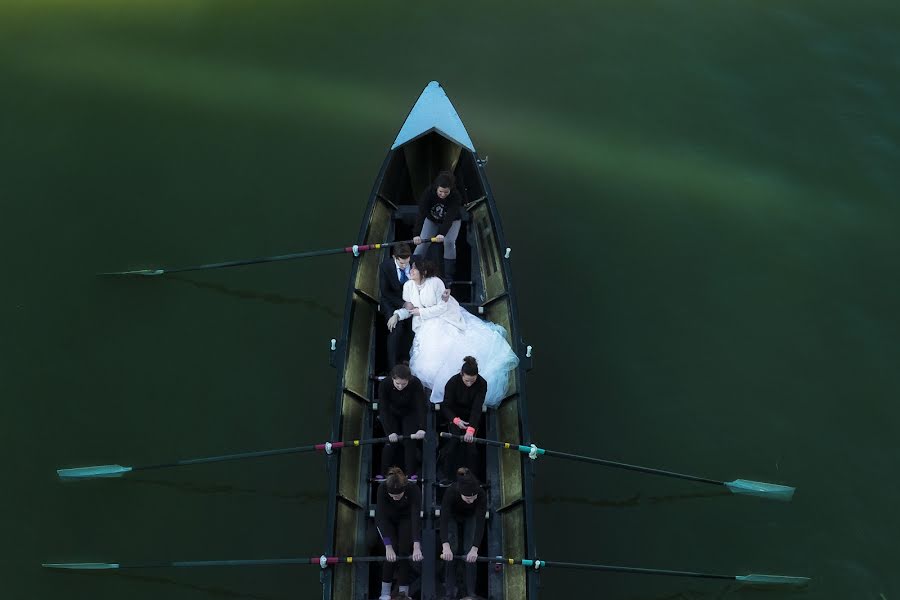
x=762 y=489
x=772 y=579
x=93 y=472
x=88 y=566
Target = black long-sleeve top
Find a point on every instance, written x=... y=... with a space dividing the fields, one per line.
x=389 y=512
x=441 y=211
x=463 y=401
x=454 y=507
x=394 y=404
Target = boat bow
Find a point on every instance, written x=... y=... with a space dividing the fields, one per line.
x=433 y=111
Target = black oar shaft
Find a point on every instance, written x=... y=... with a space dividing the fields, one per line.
x=355 y=249
x=265 y=259
x=638 y=468
x=618 y=569
x=325 y=561
x=588 y=459
x=261 y=453
x=226 y=457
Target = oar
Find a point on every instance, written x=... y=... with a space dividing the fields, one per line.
x=324 y=561
x=738 y=486
x=750 y=579
x=119 y=470
x=315 y=560
x=356 y=249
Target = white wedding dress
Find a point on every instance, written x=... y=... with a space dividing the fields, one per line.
x=445 y=333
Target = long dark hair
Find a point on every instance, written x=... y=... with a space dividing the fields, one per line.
x=444 y=179
x=470 y=366
x=425 y=267
x=466 y=482
x=395 y=482
x=401 y=371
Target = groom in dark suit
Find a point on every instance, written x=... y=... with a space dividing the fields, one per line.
x=394 y=273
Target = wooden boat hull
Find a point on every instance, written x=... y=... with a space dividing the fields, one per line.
x=432 y=139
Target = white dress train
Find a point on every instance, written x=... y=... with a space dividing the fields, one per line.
x=445 y=333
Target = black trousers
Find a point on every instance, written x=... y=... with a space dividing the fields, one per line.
x=399 y=342
x=403 y=547
x=389 y=452
x=460 y=545
x=458 y=454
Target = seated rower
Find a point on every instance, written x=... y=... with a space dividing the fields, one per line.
x=440 y=208
x=400 y=527
x=401 y=408
x=463 y=507
x=463 y=398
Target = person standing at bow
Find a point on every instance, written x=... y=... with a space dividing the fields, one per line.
x=401 y=408
x=394 y=273
x=463 y=508
x=400 y=527
x=440 y=208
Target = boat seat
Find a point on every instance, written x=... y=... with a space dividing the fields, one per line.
x=437 y=406
x=408 y=213
x=475 y=309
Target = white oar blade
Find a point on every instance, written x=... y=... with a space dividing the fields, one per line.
x=771 y=491
x=772 y=579
x=89 y=566
x=93 y=472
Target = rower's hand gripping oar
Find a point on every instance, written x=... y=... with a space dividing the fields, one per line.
x=738 y=486
x=355 y=250
x=324 y=561
x=119 y=470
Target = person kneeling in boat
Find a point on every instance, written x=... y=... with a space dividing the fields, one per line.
x=464 y=396
x=445 y=333
x=440 y=206
x=401 y=408
x=463 y=507
x=400 y=527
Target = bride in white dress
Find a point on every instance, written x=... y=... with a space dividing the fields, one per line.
x=445 y=333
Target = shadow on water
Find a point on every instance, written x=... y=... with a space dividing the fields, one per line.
x=221 y=488
x=270 y=297
x=629 y=502
x=211 y=590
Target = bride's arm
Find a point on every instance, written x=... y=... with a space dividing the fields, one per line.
x=437 y=304
x=403 y=312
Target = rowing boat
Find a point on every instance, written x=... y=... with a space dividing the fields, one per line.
x=432 y=139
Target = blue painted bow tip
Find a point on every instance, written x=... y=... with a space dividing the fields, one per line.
x=762 y=489
x=92 y=472
x=433 y=111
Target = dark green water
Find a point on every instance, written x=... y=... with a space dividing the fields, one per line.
x=701 y=201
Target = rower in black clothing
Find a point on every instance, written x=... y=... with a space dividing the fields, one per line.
x=401 y=408
x=463 y=398
x=400 y=527
x=463 y=507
